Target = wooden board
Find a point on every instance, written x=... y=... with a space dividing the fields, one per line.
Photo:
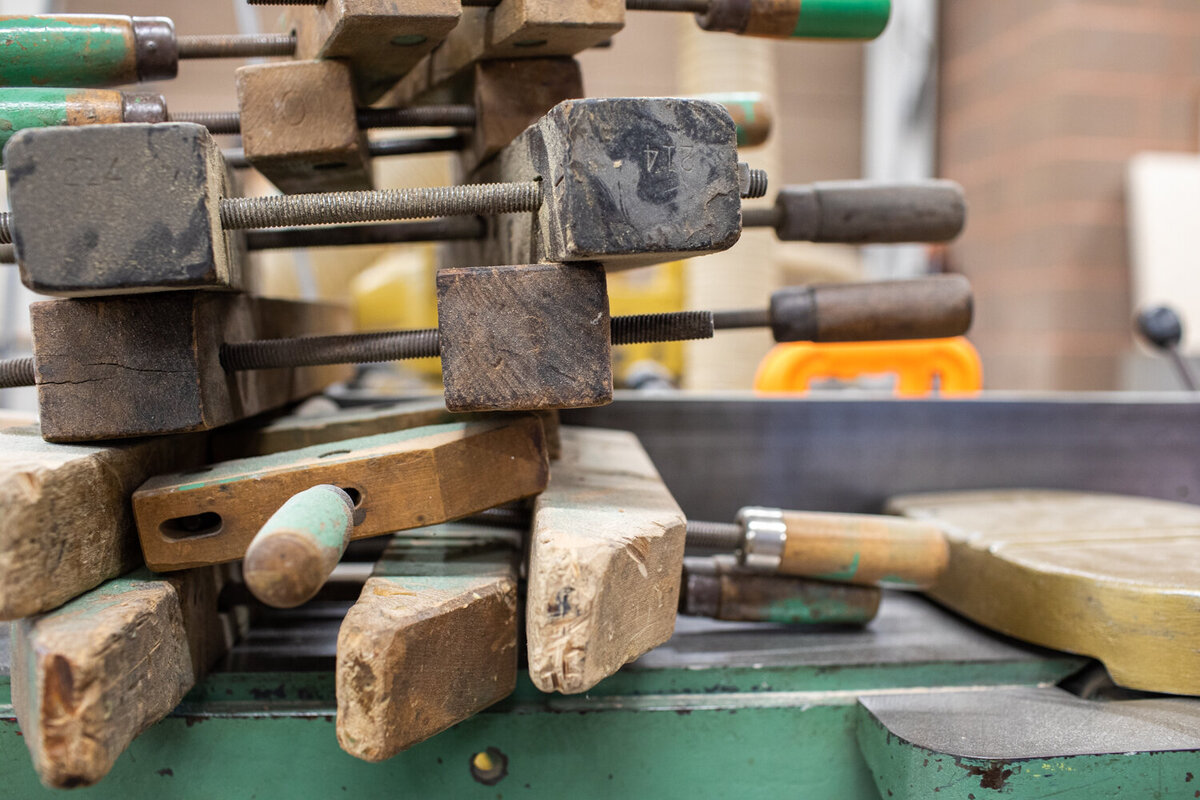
x=399 y=481
x=119 y=367
x=525 y=337
x=606 y=556
x=1112 y=577
x=431 y=641
x=91 y=676
x=294 y=431
x=65 y=521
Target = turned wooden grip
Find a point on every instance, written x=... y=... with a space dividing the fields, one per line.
x=863 y=549
x=294 y=553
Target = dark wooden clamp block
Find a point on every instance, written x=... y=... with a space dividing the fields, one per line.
x=118 y=209
x=118 y=367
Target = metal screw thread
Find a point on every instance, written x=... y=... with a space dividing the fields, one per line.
x=5 y=227
x=246 y=45
x=713 y=535
x=686 y=6
x=17 y=372
x=503 y=517
x=674 y=327
x=312 y=351
x=758 y=184
x=217 y=122
x=240 y=213
x=459 y=116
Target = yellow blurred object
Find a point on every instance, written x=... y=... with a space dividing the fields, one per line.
x=954 y=363
x=651 y=290
x=398 y=292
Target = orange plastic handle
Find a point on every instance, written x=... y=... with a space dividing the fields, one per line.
x=954 y=362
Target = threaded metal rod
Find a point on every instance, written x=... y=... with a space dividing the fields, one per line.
x=760 y=217
x=236 y=45
x=448 y=229
x=678 y=326
x=312 y=351
x=452 y=116
x=757 y=185
x=684 y=6
x=5 y=227
x=217 y=122
x=411 y=146
x=713 y=535
x=241 y=213
x=16 y=372
x=742 y=318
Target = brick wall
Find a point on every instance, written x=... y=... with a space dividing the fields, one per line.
x=1043 y=103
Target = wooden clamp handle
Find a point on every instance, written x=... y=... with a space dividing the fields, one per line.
x=292 y=555
x=863 y=549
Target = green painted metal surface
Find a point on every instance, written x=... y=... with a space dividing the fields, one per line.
x=905 y=771
x=30 y=107
x=57 y=51
x=842 y=19
x=668 y=733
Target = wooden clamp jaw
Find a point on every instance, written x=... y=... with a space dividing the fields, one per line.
x=397 y=480
x=628 y=182
x=380 y=42
x=606 y=554
x=432 y=639
x=121 y=209
x=119 y=367
x=514 y=29
x=300 y=126
x=89 y=677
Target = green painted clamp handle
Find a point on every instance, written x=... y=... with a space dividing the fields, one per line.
x=803 y=19
x=85 y=50
x=45 y=107
x=295 y=551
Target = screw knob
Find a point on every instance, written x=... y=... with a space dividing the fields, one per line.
x=1161 y=327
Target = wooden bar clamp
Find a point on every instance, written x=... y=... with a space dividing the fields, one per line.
x=525 y=337
x=397 y=481
x=628 y=182
x=431 y=641
x=118 y=367
x=606 y=555
x=92 y=675
x=119 y=209
x=379 y=41
x=300 y=127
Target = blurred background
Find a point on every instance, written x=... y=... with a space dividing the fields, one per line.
x=1072 y=124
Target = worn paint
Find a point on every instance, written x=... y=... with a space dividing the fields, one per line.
x=829 y=608
x=842 y=19
x=37 y=107
x=845 y=573
x=66 y=50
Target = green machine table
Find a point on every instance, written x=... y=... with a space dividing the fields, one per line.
x=919 y=704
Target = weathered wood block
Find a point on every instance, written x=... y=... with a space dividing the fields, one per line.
x=431 y=641
x=381 y=40
x=91 y=676
x=119 y=209
x=524 y=337
x=399 y=481
x=300 y=127
x=512 y=94
x=606 y=556
x=628 y=182
x=65 y=521
x=511 y=30
x=112 y=368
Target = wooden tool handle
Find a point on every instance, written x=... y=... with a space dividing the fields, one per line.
x=870 y=212
x=863 y=549
x=293 y=554
x=923 y=308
